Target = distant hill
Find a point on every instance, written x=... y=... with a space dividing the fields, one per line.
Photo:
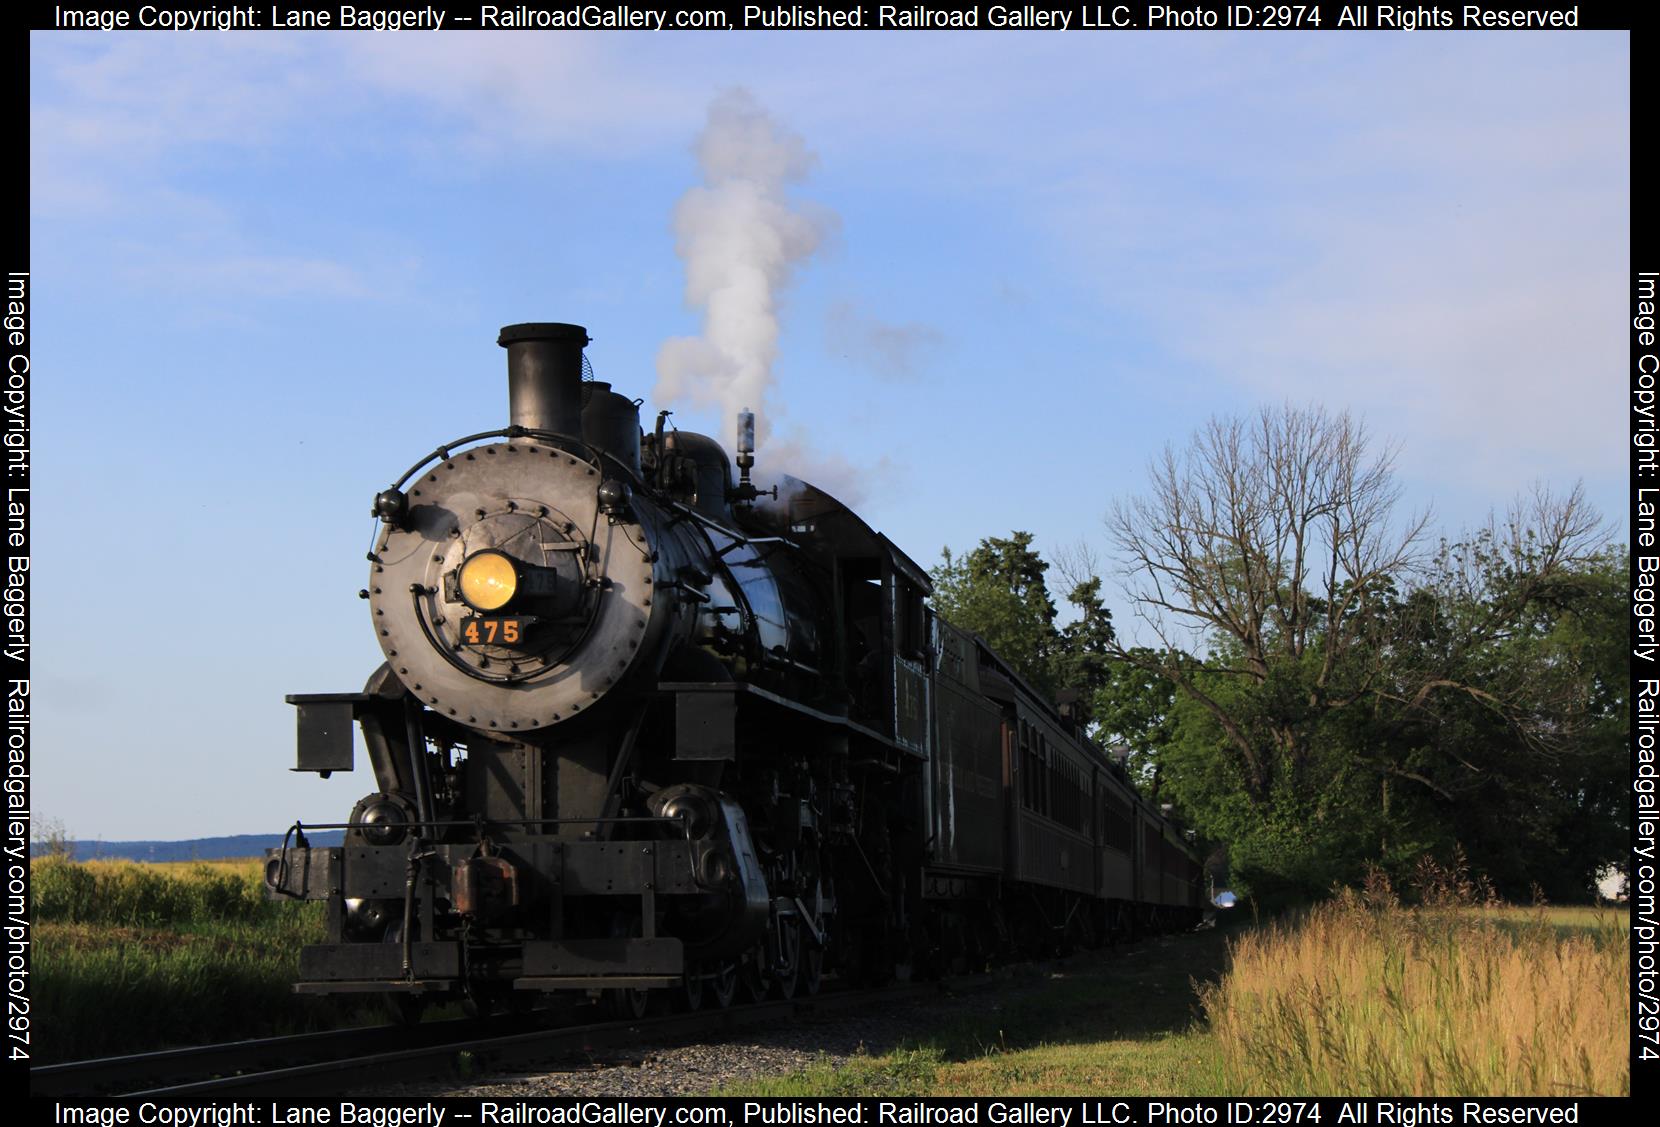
x=196 y=849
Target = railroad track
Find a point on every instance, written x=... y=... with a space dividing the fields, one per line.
x=309 y=1064
x=114 y=1075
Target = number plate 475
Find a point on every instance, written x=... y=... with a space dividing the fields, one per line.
x=479 y=631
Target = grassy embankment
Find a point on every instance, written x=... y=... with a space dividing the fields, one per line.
x=1357 y=996
x=130 y=957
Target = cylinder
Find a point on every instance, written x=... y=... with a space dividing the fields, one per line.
x=544 y=375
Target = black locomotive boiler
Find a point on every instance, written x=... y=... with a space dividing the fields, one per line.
x=643 y=727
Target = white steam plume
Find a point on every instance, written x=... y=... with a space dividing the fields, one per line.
x=741 y=239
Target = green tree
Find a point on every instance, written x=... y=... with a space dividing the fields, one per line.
x=1081 y=662
x=999 y=591
x=1339 y=693
x=1518 y=751
x=1136 y=706
x=1260 y=552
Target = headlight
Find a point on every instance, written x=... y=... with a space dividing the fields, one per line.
x=489 y=580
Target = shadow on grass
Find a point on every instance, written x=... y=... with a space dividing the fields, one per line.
x=1139 y=991
x=1126 y=1019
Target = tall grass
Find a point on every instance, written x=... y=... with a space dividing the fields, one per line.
x=127 y=894
x=130 y=957
x=1454 y=996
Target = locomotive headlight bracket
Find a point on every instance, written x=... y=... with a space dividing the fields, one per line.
x=489 y=580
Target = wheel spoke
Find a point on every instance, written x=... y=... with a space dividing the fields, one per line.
x=691 y=990
x=789 y=962
x=723 y=984
x=628 y=1005
x=812 y=969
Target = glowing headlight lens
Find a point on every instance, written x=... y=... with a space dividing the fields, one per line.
x=489 y=581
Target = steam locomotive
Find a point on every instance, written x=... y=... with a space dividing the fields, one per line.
x=645 y=730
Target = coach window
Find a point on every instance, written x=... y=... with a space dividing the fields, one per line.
x=1028 y=755
x=1024 y=758
x=1028 y=767
x=1043 y=774
x=1063 y=793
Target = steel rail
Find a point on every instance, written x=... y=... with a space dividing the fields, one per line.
x=97 y=1074
x=340 y=1059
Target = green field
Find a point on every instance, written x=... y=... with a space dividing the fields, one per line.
x=131 y=957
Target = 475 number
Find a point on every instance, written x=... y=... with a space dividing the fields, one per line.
x=492 y=631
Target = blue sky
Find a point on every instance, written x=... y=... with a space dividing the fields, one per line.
x=269 y=270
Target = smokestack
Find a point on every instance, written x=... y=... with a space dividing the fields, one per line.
x=544 y=375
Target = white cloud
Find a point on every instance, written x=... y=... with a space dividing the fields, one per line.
x=1431 y=230
x=529 y=90
x=132 y=135
x=1436 y=238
